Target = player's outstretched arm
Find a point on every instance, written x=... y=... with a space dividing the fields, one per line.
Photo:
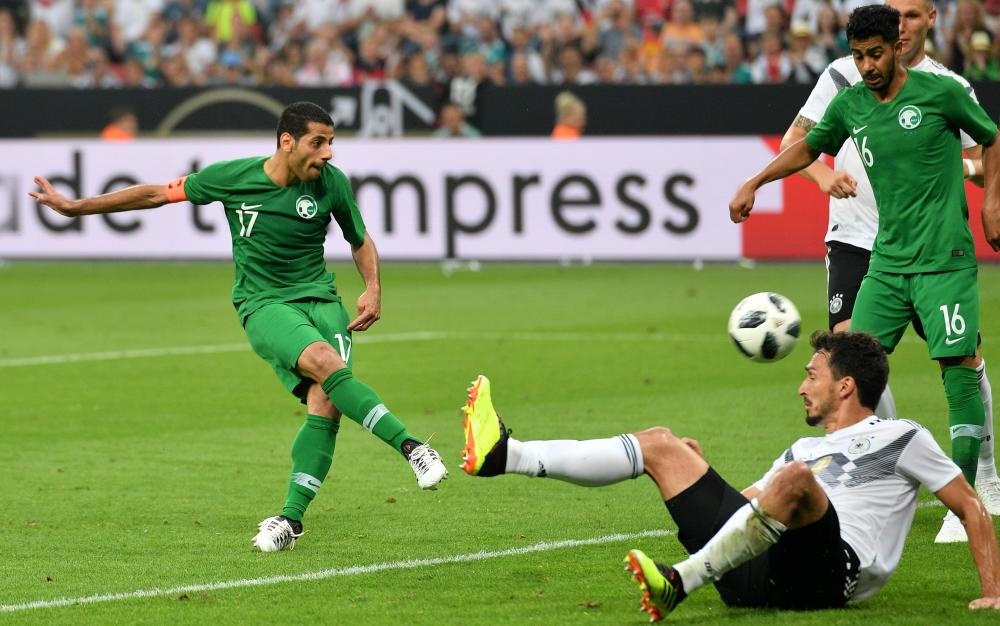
x=837 y=184
x=370 y=301
x=963 y=501
x=991 y=202
x=128 y=199
x=791 y=160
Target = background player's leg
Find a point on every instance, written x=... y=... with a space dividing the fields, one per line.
x=312 y=453
x=987 y=482
x=965 y=413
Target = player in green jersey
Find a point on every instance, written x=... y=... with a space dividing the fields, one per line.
x=278 y=209
x=905 y=125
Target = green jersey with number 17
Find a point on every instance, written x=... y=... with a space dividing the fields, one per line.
x=278 y=232
x=911 y=150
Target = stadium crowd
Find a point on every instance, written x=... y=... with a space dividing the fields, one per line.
x=450 y=44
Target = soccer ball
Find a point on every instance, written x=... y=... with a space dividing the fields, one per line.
x=764 y=326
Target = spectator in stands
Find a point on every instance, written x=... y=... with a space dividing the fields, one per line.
x=325 y=67
x=197 y=51
x=714 y=41
x=669 y=65
x=432 y=11
x=571 y=117
x=608 y=72
x=829 y=36
x=807 y=59
x=695 y=67
x=451 y=123
x=58 y=15
x=651 y=15
x=93 y=17
x=416 y=72
x=123 y=124
x=982 y=61
x=519 y=73
x=616 y=26
x=969 y=18
x=772 y=65
x=224 y=16
x=467 y=89
x=571 y=70
x=682 y=29
x=369 y=64
x=11 y=47
x=520 y=44
x=40 y=51
x=736 y=69
x=99 y=68
x=279 y=71
x=130 y=19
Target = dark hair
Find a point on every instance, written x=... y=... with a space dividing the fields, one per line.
x=859 y=356
x=875 y=20
x=296 y=117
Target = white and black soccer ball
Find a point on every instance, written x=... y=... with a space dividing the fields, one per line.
x=765 y=326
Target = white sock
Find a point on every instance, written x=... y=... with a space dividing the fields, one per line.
x=749 y=532
x=987 y=464
x=590 y=463
x=886 y=408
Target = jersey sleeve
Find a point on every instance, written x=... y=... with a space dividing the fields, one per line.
x=345 y=209
x=968 y=142
x=820 y=97
x=963 y=111
x=924 y=461
x=831 y=132
x=207 y=185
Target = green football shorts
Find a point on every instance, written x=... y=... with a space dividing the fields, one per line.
x=946 y=303
x=279 y=333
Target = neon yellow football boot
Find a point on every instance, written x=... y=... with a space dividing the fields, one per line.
x=485 y=452
x=660 y=585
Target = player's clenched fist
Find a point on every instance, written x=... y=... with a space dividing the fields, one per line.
x=741 y=204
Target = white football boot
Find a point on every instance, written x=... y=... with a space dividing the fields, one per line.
x=427 y=466
x=276 y=533
x=952 y=530
x=989 y=493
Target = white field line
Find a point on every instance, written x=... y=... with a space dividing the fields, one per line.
x=141 y=353
x=354 y=570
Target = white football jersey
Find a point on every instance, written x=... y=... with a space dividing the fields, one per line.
x=871 y=472
x=854 y=220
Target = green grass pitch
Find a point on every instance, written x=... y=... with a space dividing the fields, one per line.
x=125 y=472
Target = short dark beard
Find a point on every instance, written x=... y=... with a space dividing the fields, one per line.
x=813 y=420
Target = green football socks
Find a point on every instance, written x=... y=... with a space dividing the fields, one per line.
x=360 y=403
x=965 y=417
x=312 y=455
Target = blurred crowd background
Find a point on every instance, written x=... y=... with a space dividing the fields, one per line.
x=453 y=46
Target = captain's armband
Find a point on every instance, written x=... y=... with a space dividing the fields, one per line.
x=175 y=190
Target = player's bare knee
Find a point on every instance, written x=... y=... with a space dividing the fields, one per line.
x=656 y=441
x=792 y=482
x=319 y=360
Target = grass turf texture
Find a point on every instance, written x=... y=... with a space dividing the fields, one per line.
x=140 y=473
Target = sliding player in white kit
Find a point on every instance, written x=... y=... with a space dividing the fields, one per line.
x=853 y=221
x=826 y=524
